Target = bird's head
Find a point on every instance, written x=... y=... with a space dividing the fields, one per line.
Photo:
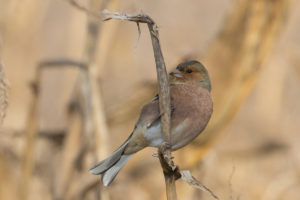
x=190 y=72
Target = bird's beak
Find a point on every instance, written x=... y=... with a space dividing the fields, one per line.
x=177 y=73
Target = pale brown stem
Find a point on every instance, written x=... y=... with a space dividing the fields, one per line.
x=170 y=186
x=95 y=127
x=72 y=139
x=30 y=140
x=69 y=155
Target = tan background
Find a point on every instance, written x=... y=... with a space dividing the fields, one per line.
x=259 y=150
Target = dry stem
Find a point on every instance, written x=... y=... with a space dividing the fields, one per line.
x=32 y=124
x=95 y=128
x=30 y=141
x=164 y=97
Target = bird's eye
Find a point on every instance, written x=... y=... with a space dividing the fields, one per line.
x=189 y=71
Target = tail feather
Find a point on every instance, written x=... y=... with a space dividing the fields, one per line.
x=112 y=172
x=108 y=162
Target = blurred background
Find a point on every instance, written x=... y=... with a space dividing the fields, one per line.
x=74 y=86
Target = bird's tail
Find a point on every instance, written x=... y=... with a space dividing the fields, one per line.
x=109 y=175
x=111 y=165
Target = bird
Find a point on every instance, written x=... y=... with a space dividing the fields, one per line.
x=191 y=110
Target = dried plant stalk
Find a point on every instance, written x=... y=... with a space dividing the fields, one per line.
x=69 y=154
x=91 y=88
x=167 y=164
x=30 y=139
x=95 y=128
x=32 y=130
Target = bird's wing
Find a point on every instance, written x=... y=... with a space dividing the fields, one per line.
x=150 y=113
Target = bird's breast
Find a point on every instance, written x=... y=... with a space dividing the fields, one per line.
x=192 y=108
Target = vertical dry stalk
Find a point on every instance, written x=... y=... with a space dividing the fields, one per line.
x=93 y=112
x=30 y=140
x=163 y=83
x=164 y=98
x=165 y=110
x=69 y=154
x=99 y=120
x=72 y=140
x=91 y=89
x=90 y=113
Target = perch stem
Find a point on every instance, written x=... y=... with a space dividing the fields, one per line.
x=165 y=156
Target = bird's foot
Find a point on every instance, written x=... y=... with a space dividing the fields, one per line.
x=165 y=153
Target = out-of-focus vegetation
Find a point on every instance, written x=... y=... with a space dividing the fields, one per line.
x=64 y=117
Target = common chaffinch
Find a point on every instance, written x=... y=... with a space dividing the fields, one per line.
x=191 y=105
